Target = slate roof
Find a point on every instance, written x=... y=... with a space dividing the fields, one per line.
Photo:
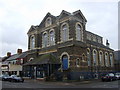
x=44 y=59
x=15 y=56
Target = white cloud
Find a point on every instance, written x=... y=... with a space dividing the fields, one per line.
x=18 y=15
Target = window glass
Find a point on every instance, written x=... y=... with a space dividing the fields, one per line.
x=45 y=40
x=32 y=42
x=52 y=38
x=78 y=32
x=64 y=33
x=77 y=62
x=106 y=59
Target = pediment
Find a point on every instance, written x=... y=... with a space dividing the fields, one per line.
x=48 y=15
x=64 y=14
x=80 y=15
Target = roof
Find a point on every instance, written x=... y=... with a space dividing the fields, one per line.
x=15 y=56
x=99 y=45
x=44 y=59
x=4 y=58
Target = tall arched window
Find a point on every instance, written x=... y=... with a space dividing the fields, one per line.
x=101 y=58
x=111 y=60
x=95 y=58
x=52 y=38
x=88 y=57
x=65 y=32
x=106 y=59
x=78 y=32
x=32 y=42
x=45 y=39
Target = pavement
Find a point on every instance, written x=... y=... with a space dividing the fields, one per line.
x=63 y=82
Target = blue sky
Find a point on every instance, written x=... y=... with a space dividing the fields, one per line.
x=16 y=17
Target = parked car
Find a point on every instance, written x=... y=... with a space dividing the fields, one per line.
x=117 y=75
x=15 y=78
x=4 y=77
x=108 y=77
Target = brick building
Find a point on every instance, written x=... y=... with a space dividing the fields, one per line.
x=77 y=51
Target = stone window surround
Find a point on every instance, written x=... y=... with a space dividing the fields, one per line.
x=106 y=56
x=31 y=37
x=88 y=52
x=42 y=39
x=78 y=62
x=94 y=50
x=48 y=33
x=51 y=30
x=111 y=62
x=61 y=32
x=65 y=53
x=102 y=59
x=83 y=58
x=46 y=22
x=78 y=23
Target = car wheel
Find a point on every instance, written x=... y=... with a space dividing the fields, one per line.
x=103 y=80
x=14 y=80
x=111 y=79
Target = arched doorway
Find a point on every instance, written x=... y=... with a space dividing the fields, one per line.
x=64 y=62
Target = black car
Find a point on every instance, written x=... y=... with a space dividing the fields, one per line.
x=109 y=77
x=4 y=77
x=15 y=78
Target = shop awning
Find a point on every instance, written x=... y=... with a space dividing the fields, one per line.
x=44 y=59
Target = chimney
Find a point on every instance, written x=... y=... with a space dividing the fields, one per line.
x=8 y=54
x=107 y=43
x=19 y=51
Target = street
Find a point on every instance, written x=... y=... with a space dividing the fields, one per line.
x=42 y=84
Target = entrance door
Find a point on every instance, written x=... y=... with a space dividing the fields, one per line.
x=65 y=62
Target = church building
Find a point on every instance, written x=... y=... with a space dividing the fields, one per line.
x=62 y=44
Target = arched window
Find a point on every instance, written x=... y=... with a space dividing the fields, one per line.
x=78 y=32
x=88 y=57
x=77 y=62
x=32 y=42
x=101 y=58
x=65 y=32
x=83 y=57
x=111 y=60
x=48 y=21
x=45 y=39
x=106 y=59
x=95 y=58
x=64 y=62
x=52 y=38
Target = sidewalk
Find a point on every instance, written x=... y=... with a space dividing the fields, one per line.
x=62 y=82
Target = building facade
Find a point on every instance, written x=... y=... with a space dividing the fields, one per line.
x=81 y=53
x=117 y=60
x=12 y=64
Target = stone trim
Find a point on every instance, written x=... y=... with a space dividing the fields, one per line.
x=62 y=33
x=45 y=52
x=81 y=31
x=65 y=53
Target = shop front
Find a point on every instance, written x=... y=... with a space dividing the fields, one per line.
x=41 y=67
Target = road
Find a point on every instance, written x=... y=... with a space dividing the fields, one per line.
x=42 y=84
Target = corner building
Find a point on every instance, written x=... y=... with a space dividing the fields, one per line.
x=81 y=53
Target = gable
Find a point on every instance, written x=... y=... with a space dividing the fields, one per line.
x=48 y=15
x=64 y=14
x=79 y=15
